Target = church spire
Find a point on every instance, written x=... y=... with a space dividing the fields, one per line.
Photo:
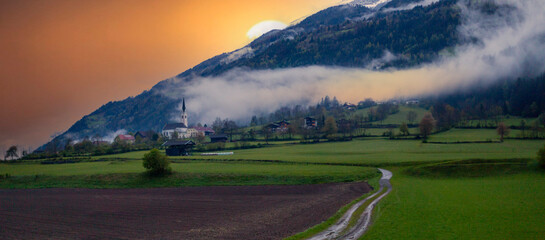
x=184 y=114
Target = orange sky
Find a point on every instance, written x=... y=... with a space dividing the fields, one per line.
x=62 y=59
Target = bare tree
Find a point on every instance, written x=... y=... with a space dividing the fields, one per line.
x=230 y=127
x=502 y=130
x=200 y=137
x=11 y=153
x=426 y=126
x=411 y=116
x=267 y=133
x=404 y=128
x=523 y=127
x=330 y=126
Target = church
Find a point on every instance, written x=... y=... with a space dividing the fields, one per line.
x=179 y=130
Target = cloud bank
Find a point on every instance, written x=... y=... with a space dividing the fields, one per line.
x=507 y=44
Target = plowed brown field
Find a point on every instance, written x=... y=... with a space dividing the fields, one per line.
x=234 y=212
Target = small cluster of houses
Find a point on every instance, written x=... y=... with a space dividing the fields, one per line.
x=174 y=132
x=282 y=126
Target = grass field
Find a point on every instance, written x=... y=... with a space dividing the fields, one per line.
x=128 y=174
x=398 y=117
x=508 y=120
x=461 y=135
x=382 y=152
x=499 y=206
x=401 y=116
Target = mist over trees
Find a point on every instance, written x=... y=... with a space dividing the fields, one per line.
x=522 y=97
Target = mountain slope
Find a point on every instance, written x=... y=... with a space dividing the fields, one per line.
x=346 y=35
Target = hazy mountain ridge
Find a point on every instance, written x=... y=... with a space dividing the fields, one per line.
x=346 y=36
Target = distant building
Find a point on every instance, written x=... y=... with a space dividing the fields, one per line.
x=125 y=138
x=205 y=130
x=281 y=126
x=145 y=135
x=412 y=102
x=172 y=129
x=349 y=106
x=178 y=148
x=218 y=138
x=310 y=122
x=179 y=130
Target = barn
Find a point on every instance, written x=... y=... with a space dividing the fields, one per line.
x=178 y=148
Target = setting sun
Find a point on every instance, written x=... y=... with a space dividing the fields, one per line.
x=265 y=27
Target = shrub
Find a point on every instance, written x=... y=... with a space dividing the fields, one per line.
x=156 y=163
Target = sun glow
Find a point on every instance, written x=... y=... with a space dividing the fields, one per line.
x=265 y=27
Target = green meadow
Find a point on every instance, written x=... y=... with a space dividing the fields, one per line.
x=128 y=174
x=375 y=151
x=491 y=206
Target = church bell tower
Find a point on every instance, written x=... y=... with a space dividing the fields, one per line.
x=184 y=114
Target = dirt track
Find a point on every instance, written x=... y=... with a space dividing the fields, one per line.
x=240 y=212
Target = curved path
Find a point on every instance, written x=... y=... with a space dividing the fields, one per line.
x=335 y=231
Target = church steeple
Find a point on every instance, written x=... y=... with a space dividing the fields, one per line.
x=184 y=114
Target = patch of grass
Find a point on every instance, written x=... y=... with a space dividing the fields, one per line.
x=506 y=206
x=470 y=168
x=467 y=135
x=401 y=116
x=398 y=117
x=129 y=175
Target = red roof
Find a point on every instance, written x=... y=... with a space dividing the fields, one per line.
x=126 y=137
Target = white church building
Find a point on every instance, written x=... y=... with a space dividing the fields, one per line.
x=181 y=130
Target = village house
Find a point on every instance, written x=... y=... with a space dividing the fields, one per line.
x=145 y=135
x=125 y=138
x=205 y=130
x=350 y=106
x=310 y=122
x=281 y=126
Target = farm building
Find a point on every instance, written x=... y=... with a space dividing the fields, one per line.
x=218 y=138
x=178 y=148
